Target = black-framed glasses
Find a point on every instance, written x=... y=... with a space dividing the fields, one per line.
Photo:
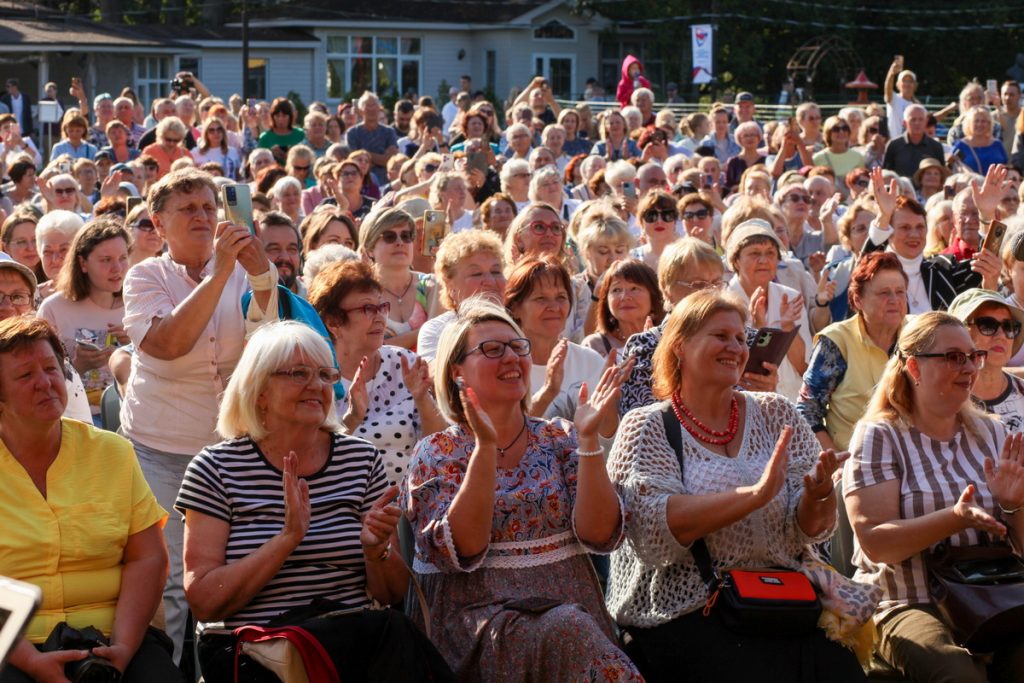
x=493 y=348
x=371 y=310
x=145 y=225
x=64 y=190
x=699 y=214
x=390 y=237
x=873 y=130
x=988 y=326
x=300 y=168
x=697 y=285
x=303 y=374
x=430 y=168
x=863 y=182
x=798 y=198
x=841 y=127
x=957 y=359
x=666 y=215
x=539 y=228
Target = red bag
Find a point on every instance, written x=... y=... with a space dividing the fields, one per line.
x=291 y=652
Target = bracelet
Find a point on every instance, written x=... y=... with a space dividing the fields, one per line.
x=824 y=305
x=1006 y=511
x=590 y=454
x=384 y=555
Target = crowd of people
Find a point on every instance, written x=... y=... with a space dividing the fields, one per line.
x=504 y=355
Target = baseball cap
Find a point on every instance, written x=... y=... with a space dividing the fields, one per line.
x=966 y=303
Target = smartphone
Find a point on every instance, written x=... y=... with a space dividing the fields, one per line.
x=709 y=181
x=18 y=602
x=629 y=189
x=251 y=103
x=87 y=345
x=64 y=167
x=992 y=85
x=132 y=202
x=435 y=229
x=770 y=345
x=948 y=192
x=238 y=205
x=994 y=237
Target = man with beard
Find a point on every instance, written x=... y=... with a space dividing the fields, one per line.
x=281 y=243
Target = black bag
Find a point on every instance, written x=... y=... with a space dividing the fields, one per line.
x=92 y=669
x=979 y=591
x=763 y=602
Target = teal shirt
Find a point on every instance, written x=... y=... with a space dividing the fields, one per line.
x=270 y=139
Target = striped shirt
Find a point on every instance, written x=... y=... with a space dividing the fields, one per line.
x=233 y=482
x=932 y=474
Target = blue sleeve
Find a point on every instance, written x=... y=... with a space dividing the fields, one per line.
x=824 y=373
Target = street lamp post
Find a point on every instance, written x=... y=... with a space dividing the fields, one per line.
x=245 y=52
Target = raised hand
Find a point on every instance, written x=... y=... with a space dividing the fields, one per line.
x=828 y=209
x=1006 y=478
x=974 y=517
x=416 y=377
x=790 y=311
x=296 y=501
x=358 y=397
x=819 y=482
x=826 y=289
x=774 y=474
x=593 y=408
x=885 y=197
x=987 y=197
x=990 y=266
x=759 y=307
x=816 y=262
x=479 y=422
x=555 y=373
x=379 y=524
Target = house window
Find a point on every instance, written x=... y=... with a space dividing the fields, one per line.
x=386 y=65
x=193 y=65
x=152 y=77
x=560 y=71
x=257 y=79
x=554 y=30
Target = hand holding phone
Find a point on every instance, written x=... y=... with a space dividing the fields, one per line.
x=237 y=200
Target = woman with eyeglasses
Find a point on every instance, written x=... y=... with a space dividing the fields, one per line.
x=838 y=154
x=170 y=133
x=387 y=401
x=795 y=203
x=300 y=165
x=995 y=326
x=658 y=219
x=213 y=146
x=928 y=467
x=857 y=182
x=146 y=241
x=849 y=355
x=698 y=216
x=288 y=510
x=515 y=181
x=873 y=140
x=387 y=238
x=842 y=259
x=505 y=508
x=346 y=186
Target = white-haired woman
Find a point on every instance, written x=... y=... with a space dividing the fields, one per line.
x=546 y=187
x=928 y=467
x=448 y=193
x=515 y=181
x=168 y=148
x=519 y=141
x=588 y=169
x=748 y=136
x=286 y=197
x=288 y=509
x=53 y=241
x=505 y=507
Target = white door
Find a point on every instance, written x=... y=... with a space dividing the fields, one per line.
x=560 y=70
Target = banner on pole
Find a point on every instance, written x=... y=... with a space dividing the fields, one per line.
x=702 y=36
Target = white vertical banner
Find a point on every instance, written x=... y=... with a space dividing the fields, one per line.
x=702 y=37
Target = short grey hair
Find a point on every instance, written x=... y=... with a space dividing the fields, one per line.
x=321 y=257
x=282 y=183
x=170 y=124
x=58 y=222
x=266 y=352
x=511 y=168
x=638 y=92
x=540 y=176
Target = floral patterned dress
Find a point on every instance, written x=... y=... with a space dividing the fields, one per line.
x=529 y=607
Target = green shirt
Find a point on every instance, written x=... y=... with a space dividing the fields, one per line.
x=270 y=139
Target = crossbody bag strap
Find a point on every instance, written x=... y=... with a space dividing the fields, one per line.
x=699 y=549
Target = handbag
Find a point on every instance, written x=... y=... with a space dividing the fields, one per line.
x=979 y=592
x=763 y=602
x=92 y=669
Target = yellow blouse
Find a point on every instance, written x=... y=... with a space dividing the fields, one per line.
x=71 y=542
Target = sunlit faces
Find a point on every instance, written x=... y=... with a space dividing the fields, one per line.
x=287 y=401
x=32 y=381
x=909 y=232
x=22 y=244
x=187 y=222
x=694 y=279
x=999 y=344
x=629 y=302
x=336 y=232
x=945 y=385
x=717 y=353
x=883 y=302
x=603 y=253
x=281 y=244
x=545 y=309
x=106 y=265
x=478 y=273
x=757 y=263
x=15 y=294
x=494 y=380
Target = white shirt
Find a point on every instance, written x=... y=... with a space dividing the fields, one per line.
x=449 y=112
x=894 y=112
x=917 y=295
x=430 y=334
x=171 y=405
x=18 y=109
x=581 y=365
x=463 y=222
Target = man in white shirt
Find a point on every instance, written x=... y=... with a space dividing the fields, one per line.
x=900 y=86
x=20 y=105
x=450 y=111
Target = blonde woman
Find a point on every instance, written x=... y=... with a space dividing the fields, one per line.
x=928 y=467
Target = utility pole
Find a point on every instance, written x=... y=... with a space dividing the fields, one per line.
x=245 y=52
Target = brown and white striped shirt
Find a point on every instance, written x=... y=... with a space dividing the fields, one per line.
x=932 y=475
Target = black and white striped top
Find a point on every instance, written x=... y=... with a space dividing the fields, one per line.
x=233 y=481
x=932 y=475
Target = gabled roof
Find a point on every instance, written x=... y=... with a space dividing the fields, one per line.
x=430 y=11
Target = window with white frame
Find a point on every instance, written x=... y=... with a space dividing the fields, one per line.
x=554 y=30
x=152 y=77
x=387 y=65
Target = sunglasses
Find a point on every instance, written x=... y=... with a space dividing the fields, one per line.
x=145 y=225
x=798 y=199
x=371 y=310
x=699 y=214
x=989 y=326
x=430 y=168
x=173 y=141
x=300 y=168
x=538 y=228
x=64 y=190
x=873 y=130
x=390 y=237
x=957 y=359
x=841 y=127
x=863 y=182
x=666 y=215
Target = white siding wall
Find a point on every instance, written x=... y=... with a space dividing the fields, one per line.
x=286 y=70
